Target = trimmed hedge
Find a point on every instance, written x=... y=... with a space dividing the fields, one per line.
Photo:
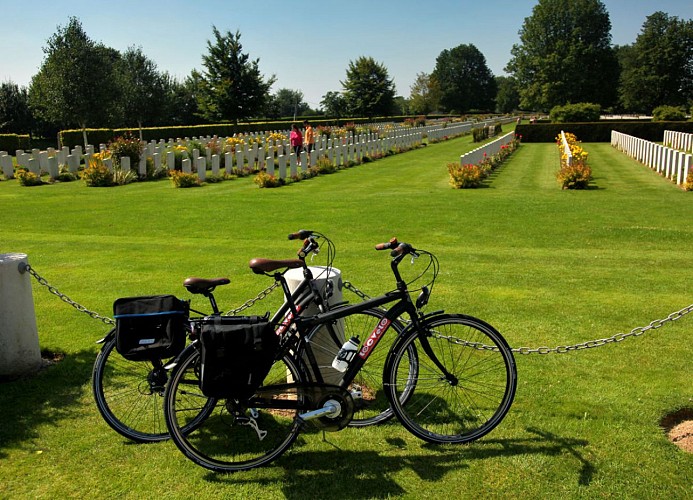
x=13 y=142
x=600 y=131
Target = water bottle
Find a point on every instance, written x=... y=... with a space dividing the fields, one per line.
x=346 y=354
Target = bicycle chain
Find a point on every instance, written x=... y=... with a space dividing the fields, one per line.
x=561 y=349
x=42 y=281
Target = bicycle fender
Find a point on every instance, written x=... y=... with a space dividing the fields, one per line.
x=109 y=336
x=172 y=364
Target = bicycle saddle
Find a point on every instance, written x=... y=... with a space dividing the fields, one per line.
x=204 y=285
x=261 y=266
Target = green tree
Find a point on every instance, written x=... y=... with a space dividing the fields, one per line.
x=508 y=94
x=565 y=55
x=287 y=102
x=368 y=89
x=658 y=68
x=143 y=89
x=465 y=80
x=334 y=104
x=232 y=87
x=75 y=84
x=425 y=94
x=15 y=115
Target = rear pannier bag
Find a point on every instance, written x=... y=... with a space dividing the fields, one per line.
x=150 y=327
x=236 y=355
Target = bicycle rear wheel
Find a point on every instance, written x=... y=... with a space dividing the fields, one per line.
x=130 y=396
x=469 y=400
x=231 y=438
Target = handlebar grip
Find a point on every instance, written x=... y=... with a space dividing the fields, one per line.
x=386 y=246
x=300 y=235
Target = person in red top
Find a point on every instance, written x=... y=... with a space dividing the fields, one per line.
x=296 y=139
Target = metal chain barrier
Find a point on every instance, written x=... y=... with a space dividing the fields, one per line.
x=251 y=302
x=561 y=349
x=42 y=281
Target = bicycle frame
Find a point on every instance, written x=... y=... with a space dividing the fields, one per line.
x=402 y=304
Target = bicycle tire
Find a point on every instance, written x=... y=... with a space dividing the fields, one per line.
x=459 y=409
x=221 y=443
x=130 y=394
x=372 y=406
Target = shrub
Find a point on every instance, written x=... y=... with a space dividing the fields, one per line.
x=64 y=174
x=688 y=185
x=465 y=176
x=580 y=112
x=126 y=145
x=27 y=178
x=184 y=180
x=325 y=166
x=668 y=114
x=480 y=134
x=265 y=180
x=213 y=179
x=97 y=174
x=122 y=177
x=578 y=174
x=575 y=176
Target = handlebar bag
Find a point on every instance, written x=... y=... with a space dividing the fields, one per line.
x=236 y=355
x=150 y=327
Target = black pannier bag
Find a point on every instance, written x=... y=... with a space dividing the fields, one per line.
x=150 y=327
x=236 y=355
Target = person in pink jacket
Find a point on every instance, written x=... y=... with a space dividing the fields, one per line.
x=296 y=139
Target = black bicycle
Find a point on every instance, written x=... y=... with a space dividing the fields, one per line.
x=449 y=378
x=129 y=393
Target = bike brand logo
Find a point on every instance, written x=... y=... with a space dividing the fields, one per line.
x=374 y=338
x=287 y=321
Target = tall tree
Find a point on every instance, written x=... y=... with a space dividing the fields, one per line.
x=465 y=80
x=75 y=84
x=508 y=95
x=425 y=94
x=232 y=87
x=287 y=102
x=368 y=89
x=658 y=68
x=565 y=55
x=15 y=115
x=334 y=104
x=143 y=89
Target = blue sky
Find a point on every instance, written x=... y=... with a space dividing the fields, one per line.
x=307 y=45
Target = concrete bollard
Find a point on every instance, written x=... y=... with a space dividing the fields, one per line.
x=19 y=346
x=323 y=356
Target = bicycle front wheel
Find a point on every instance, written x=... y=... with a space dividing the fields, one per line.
x=232 y=438
x=129 y=395
x=465 y=382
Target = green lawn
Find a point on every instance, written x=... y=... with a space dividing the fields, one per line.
x=546 y=267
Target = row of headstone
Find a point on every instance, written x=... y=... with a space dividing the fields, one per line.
x=567 y=152
x=476 y=156
x=679 y=140
x=669 y=162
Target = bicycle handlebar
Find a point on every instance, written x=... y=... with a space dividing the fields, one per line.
x=300 y=235
x=402 y=249
x=386 y=246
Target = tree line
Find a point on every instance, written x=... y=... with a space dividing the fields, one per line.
x=565 y=55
